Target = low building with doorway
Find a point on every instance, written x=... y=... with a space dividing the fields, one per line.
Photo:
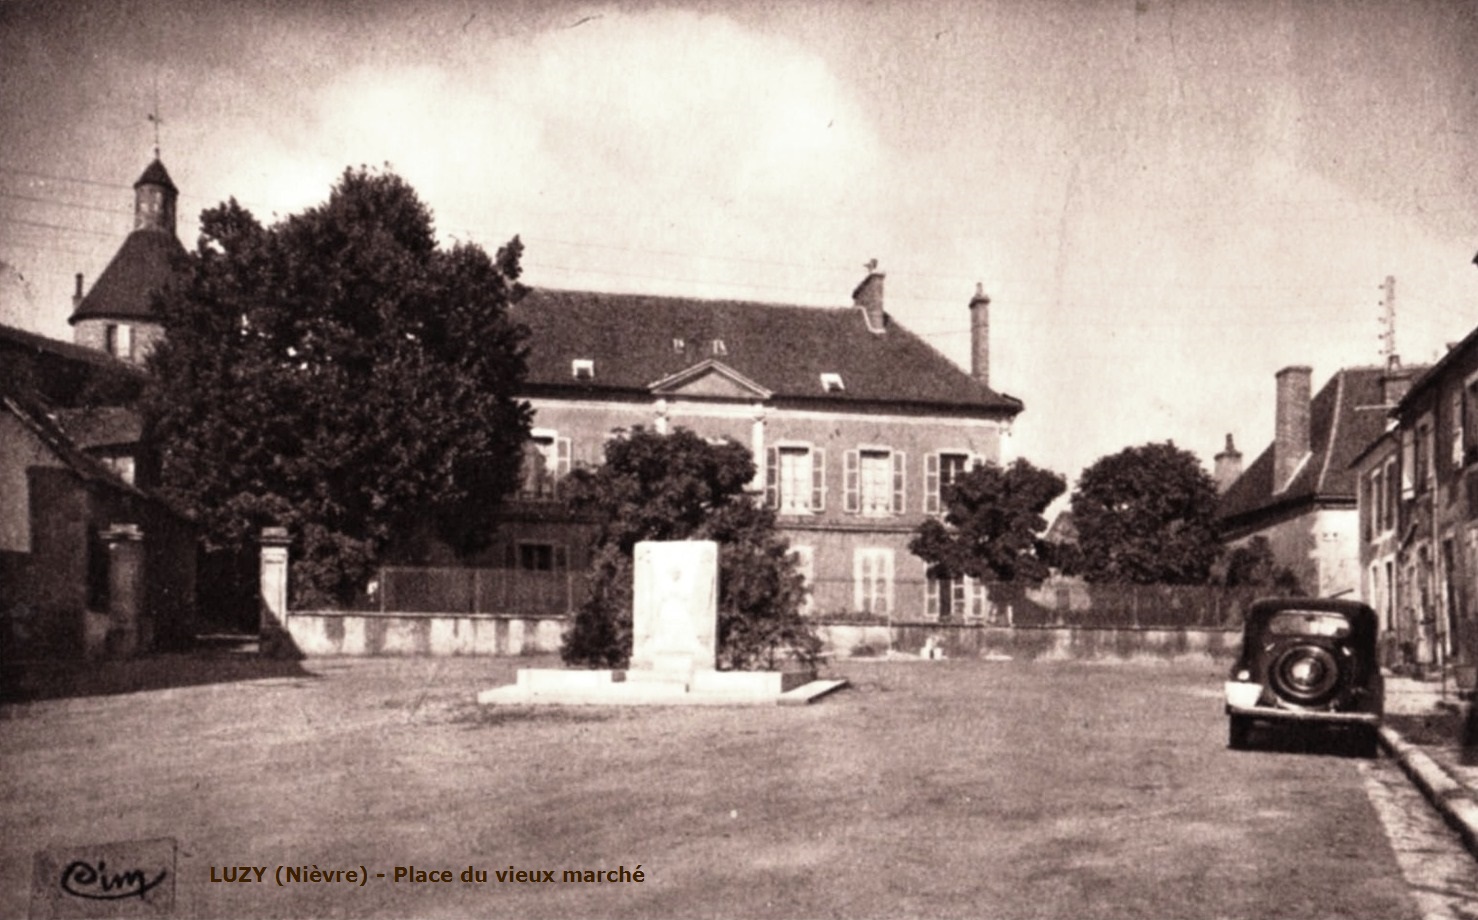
x=856 y=425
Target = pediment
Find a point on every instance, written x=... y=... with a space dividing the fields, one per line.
x=709 y=380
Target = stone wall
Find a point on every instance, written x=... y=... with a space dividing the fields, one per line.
x=332 y=632
x=1047 y=643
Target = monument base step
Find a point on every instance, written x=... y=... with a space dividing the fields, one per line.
x=549 y=686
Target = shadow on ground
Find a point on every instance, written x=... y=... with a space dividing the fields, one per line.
x=33 y=681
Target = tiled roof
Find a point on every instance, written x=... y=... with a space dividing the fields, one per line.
x=61 y=371
x=36 y=416
x=1345 y=417
x=102 y=426
x=632 y=340
x=125 y=290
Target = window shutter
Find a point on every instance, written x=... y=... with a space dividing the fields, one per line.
x=958 y=596
x=772 y=477
x=931 y=597
x=561 y=558
x=932 y=502
x=977 y=591
x=1408 y=465
x=900 y=481
x=850 y=481
x=818 y=479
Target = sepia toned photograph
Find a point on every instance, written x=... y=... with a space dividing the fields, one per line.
x=739 y=459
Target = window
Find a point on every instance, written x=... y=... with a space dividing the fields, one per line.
x=1392 y=496
x=872 y=580
x=832 y=383
x=940 y=471
x=1470 y=419
x=805 y=563
x=679 y=346
x=795 y=478
x=1455 y=426
x=120 y=340
x=582 y=369
x=546 y=460
x=122 y=467
x=719 y=348
x=954 y=599
x=1426 y=460
x=875 y=481
x=540 y=557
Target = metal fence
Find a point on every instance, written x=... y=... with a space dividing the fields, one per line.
x=407 y=589
x=1055 y=603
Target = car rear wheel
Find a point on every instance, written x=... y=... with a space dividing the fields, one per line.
x=1305 y=674
x=1239 y=733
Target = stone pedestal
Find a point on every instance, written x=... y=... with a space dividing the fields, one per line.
x=674 y=647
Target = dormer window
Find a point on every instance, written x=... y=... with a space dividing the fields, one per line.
x=719 y=348
x=582 y=369
x=832 y=383
x=679 y=346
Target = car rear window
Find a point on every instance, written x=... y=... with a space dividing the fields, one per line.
x=1308 y=623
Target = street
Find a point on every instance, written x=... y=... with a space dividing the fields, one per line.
x=953 y=788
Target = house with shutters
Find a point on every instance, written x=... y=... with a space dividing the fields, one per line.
x=857 y=425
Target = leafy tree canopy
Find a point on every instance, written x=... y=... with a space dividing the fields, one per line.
x=681 y=487
x=1253 y=565
x=1146 y=515
x=341 y=374
x=993 y=524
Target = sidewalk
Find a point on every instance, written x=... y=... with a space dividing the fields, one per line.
x=1423 y=732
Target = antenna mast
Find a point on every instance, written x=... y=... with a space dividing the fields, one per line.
x=1389 y=356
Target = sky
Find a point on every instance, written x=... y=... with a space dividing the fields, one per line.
x=1167 y=202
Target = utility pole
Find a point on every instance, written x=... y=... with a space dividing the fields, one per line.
x=1389 y=355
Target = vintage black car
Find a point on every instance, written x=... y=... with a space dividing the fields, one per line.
x=1307 y=662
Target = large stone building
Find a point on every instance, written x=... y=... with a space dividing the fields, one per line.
x=1299 y=494
x=856 y=424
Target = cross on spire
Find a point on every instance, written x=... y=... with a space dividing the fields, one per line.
x=154 y=116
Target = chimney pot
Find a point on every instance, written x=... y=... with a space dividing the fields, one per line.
x=1228 y=466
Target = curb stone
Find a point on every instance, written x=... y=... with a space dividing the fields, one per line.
x=1450 y=797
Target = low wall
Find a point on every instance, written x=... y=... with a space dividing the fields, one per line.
x=1047 y=643
x=335 y=632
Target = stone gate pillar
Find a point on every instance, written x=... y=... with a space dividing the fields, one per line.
x=272 y=635
x=128 y=629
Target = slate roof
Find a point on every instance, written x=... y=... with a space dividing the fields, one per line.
x=785 y=349
x=1345 y=417
x=125 y=290
x=102 y=426
x=156 y=174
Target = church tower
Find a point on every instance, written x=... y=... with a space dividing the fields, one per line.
x=117 y=315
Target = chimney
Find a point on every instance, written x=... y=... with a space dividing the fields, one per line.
x=980 y=336
x=1228 y=466
x=1291 y=424
x=869 y=296
x=77 y=294
x=1395 y=381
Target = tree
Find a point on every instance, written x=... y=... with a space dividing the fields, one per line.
x=1145 y=515
x=681 y=487
x=340 y=374
x=993 y=524
x=1253 y=565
